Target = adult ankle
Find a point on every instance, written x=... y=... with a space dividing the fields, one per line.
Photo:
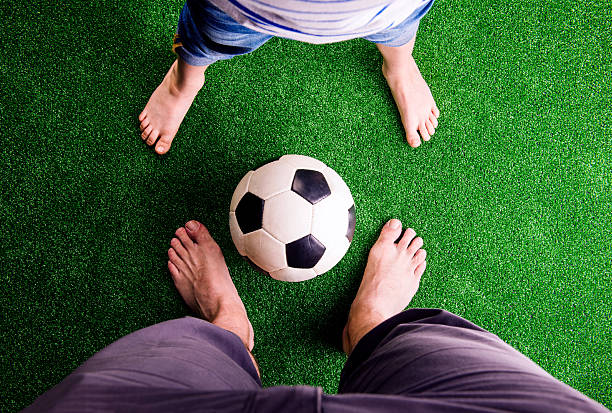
x=358 y=328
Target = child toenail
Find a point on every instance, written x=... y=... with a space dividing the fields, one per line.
x=192 y=226
x=394 y=224
x=160 y=148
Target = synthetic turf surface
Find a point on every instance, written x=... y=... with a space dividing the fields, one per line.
x=512 y=195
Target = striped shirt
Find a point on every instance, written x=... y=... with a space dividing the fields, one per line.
x=319 y=21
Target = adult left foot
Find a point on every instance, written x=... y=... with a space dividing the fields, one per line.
x=202 y=278
x=414 y=101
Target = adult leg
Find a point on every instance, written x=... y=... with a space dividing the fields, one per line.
x=183 y=355
x=432 y=359
x=205 y=34
x=201 y=356
x=390 y=280
x=412 y=96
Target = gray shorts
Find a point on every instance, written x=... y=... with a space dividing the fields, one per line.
x=421 y=360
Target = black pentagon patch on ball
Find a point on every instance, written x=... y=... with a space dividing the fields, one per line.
x=310 y=185
x=249 y=213
x=305 y=252
x=351 y=224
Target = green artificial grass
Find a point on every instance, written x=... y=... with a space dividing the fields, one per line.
x=512 y=195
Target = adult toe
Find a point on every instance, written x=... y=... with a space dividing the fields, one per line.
x=181 y=234
x=409 y=234
x=197 y=232
x=414 y=246
x=183 y=285
x=178 y=247
x=177 y=276
x=176 y=261
x=390 y=231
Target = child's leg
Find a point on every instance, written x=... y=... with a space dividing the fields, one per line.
x=205 y=35
x=412 y=95
x=169 y=103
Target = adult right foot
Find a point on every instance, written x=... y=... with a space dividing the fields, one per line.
x=202 y=278
x=163 y=114
x=391 y=279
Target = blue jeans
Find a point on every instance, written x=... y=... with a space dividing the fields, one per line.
x=206 y=34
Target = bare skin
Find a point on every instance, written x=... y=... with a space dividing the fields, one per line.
x=169 y=103
x=167 y=106
x=390 y=280
x=202 y=278
x=412 y=96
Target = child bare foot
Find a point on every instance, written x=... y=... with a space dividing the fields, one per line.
x=413 y=98
x=167 y=106
x=202 y=278
x=390 y=280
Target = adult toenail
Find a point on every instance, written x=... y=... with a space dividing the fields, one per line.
x=192 y=226
x=160 y=148
x=394 y=224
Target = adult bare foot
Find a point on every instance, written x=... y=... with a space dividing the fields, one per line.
x=413 y=98
x=167 y=106
x=390 y=280
x=202 y=278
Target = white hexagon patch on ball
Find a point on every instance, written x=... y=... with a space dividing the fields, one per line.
x=293 y=218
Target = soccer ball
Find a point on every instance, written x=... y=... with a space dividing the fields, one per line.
x=292 y=218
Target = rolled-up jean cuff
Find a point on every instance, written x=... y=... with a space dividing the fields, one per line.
x=397 y=40
x=189 y=58
x=402 y=33
x=205 y=34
